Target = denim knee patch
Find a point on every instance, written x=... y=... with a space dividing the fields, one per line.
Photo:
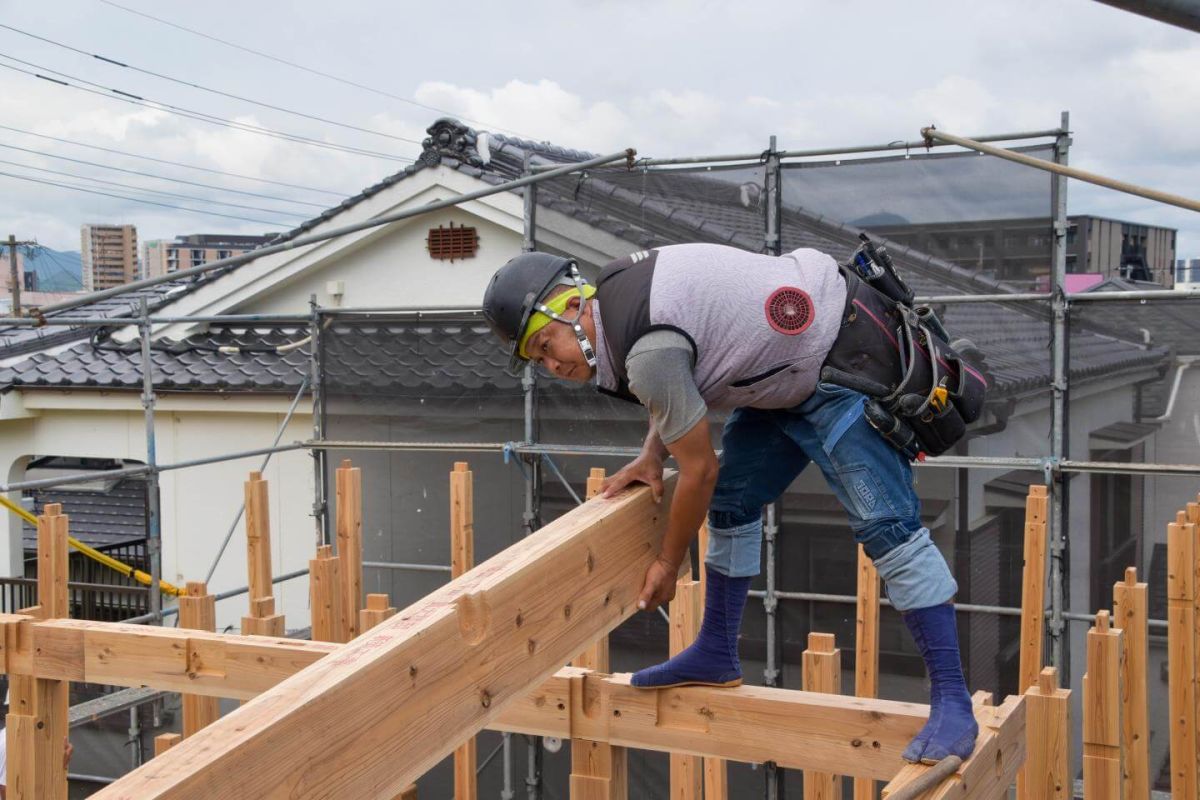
x=735 y=551
x=915 y=575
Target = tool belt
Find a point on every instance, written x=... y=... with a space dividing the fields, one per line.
x=921 y=391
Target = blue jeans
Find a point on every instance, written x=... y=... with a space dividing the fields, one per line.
x=765 y=449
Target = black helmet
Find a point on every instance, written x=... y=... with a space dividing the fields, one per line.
x=514 y=291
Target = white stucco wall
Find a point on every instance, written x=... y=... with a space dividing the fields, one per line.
x=198 y=503
x=395 y=269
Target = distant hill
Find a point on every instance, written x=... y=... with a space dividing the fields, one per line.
x=57 y=270
x=881 y=219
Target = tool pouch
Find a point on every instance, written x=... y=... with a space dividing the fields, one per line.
x=891 y=353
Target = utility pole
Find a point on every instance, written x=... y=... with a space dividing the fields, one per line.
x=14 y=276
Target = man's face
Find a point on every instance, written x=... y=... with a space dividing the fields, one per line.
x=556 y=350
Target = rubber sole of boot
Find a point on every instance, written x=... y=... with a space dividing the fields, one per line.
x=726 y=685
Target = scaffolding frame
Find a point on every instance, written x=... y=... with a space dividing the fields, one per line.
x=1054 y=466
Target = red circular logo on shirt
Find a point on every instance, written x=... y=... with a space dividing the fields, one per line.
x=789 y=310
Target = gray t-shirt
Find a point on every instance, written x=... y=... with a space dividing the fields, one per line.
x=660 y=366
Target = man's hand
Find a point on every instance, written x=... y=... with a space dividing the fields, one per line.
x=659 y=586
x=646 y=468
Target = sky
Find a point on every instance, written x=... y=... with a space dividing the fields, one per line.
x=668 y=77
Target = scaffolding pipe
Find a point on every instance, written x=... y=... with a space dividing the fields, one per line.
x=153 y=500
x=404 y=566
x=1060 y=408
x=168 y=612
x=757 y=158
x=1180 y=13
x=1059 y=167
x=626 y=155
x=124 y=472
x=320 y=507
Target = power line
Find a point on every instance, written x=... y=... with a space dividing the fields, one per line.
x=161 y=177
x=310 y=70
x=153 y=191
x=200 y=116
x=182 y=82
x=147 y=202
x=175 y=163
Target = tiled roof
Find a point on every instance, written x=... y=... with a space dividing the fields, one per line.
x=191 y=364
x=644 y=209
x=99 y=518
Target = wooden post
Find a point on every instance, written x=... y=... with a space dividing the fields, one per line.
x=262 y=621
x=1181 y=654
x=408 y=794
x=866 y=649
x=378 y=609
x=1033 y=598
x=326 y=597
x=822 y=672
x=37 y=720
x=687 y=772
x=1192 y=514
x=165 y=741
x=348 y=485
x=197 y=611
x=599 y=771
x=462 y=559
x=1102 y=768
x=1131 y=613
x=1048 y=754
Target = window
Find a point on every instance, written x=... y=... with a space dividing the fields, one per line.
x=1116 y=522
x=448 y=244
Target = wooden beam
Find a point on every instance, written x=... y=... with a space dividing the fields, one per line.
x=165 y=741
x=822 y=672
x=1033 y=597
x=866 y=648
x=986 y=775
x=378 y=609
x=687 y=771
x=327 y=597
x=172 y=659
x=443 y=669
x=599 y=771
x=746 y=723
x=1102 y=767
x=1048 y=765
x=1181 y=655
x=462 y=559
x=348 y=488
x=753 y=724
x=1131 y=612
x=198 y=611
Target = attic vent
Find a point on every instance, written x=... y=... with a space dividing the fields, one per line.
x=448 y=244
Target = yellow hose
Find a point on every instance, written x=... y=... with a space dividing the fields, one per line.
x=96 y=555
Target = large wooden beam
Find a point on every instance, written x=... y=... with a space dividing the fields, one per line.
x=172 y=659
x=366 y=721
x=753 y=724
x=799 y=730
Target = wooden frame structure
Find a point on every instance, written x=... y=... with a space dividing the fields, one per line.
x=486 y=650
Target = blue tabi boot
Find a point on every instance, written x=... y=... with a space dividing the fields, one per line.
x=712 y=660
x=951 y=729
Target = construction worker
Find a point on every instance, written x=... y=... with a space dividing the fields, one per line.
x=689 y=328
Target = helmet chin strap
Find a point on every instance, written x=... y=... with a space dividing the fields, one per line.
x=589 y=354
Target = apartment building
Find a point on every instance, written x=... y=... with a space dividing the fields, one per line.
x=161 y=256
x=109 y=255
